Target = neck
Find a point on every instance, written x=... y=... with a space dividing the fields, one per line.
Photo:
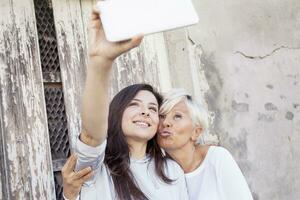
x=137 y=148
x=189 y=157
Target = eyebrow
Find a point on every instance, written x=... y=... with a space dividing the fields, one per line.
x=151 y=103
x=181 y=111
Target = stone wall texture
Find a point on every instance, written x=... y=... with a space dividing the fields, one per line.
x=250 y=55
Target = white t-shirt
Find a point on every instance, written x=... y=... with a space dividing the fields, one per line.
x=101 y=187
x=217 y=178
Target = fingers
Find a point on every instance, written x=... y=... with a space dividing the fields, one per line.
x=134 y=42
x=80 y=174
x=95 y=20
x=70 y=164
x=87 y=177
x=75 y=179
x=95 y=13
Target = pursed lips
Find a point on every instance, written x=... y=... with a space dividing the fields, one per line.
x=165 y=133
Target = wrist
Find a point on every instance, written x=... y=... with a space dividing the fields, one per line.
x=70 y=197
x=99 y=64
x=100 y=59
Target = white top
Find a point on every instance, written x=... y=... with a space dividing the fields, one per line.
x=217 y=178
x=101 y=185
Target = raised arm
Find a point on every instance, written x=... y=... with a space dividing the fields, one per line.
x=101 y=55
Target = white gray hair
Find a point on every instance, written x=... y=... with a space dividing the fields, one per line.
x=197 y=112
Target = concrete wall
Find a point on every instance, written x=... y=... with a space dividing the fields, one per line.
x=250 y=55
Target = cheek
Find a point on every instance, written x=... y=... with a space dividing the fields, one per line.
x=181 y=139
x=124 y=125
x=173 y=142
x=155 y=120
x=125 y=121
x=155 y=126
x=184 y=131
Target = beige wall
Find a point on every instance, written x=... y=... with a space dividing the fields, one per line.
x=250 y=55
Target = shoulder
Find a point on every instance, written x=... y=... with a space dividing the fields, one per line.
x=218 y=155
x=170 y=163
x=218 y=150
x=173 y=168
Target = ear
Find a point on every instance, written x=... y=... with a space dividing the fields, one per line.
x=196 y=133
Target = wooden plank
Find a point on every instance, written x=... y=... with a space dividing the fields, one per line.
x=71 y=40
x=86 y=8
x=179 y=60
x=200 y=86
x=4 y=178
x=1 y=188
x=160 y=51
x=139 y=65
x=25 y=157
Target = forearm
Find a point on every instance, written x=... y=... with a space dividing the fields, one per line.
x=96 y=101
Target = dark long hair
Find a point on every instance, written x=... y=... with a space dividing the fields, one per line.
x=117 y=150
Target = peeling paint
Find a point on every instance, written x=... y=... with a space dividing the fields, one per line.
x=238 y=145
x=255 y=196
x=22 y=104
x=215 y=83
x=282 y=97
x=72 y=51
x=240 y=107
x=296 y=105
x=270 y=106
x=201 y=87
x=289 y=115
x=251 y=53
x=265 y=117
x=207 y=76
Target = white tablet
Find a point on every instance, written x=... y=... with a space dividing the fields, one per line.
x=123 y=19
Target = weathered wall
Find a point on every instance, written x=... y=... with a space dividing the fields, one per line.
x=250 y=55
x=242 y=61
x=25 y=158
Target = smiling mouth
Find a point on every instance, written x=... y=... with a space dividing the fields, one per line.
x=142 y=124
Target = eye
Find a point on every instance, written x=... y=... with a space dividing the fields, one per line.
x=177 y=116
x=162 y=116
x=154 y=109
x=133 y=104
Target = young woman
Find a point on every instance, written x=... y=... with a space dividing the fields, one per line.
x=126 y=163
x=211 y=172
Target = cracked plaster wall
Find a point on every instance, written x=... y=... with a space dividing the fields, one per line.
x=249 y=52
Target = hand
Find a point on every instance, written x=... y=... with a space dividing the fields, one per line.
x=100 y=47
x=73 y=181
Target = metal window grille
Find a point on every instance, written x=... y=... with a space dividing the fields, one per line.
x=56 y=115
x=47 y=40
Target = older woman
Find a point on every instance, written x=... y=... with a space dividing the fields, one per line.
x=211 y=172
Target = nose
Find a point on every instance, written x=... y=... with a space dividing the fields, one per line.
x=145 y=113
x=166 y=122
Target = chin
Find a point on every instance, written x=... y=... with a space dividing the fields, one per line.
x=163 y=143
x=144 y=136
